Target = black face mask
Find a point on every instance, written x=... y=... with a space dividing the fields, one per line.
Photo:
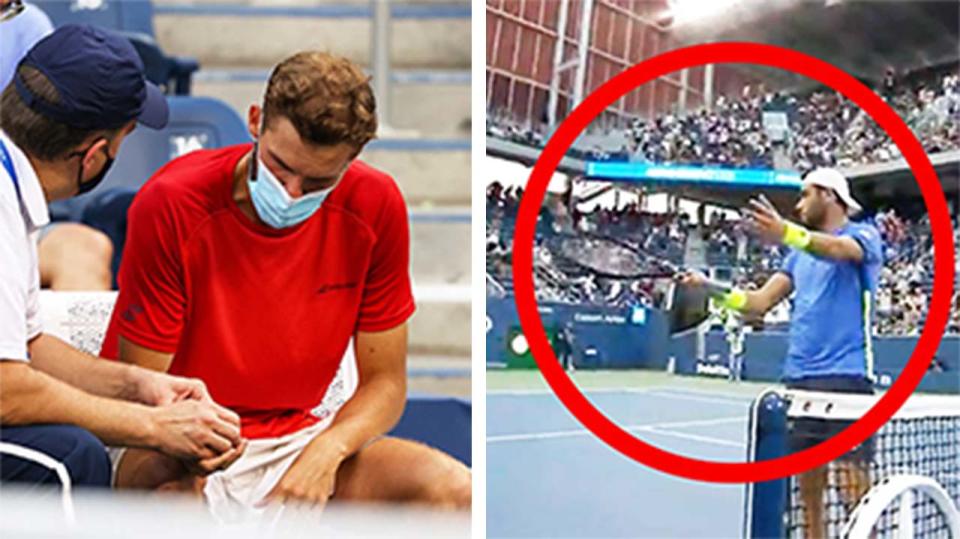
x=92 y=183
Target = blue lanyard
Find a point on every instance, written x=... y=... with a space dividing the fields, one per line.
x=8 y=164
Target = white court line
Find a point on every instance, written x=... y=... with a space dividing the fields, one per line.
x=698 y=438
x=664 y=392
x=548 y=391
x=653 y=427
x=659 y=391
x=702 y=396
x=711 y=393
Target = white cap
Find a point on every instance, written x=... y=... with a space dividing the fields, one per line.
x=831 y=178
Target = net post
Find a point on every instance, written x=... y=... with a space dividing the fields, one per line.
x=766 y=502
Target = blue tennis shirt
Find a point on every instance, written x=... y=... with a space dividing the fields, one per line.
x=832 y=309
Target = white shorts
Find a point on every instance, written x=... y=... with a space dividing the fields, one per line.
x=233 y=493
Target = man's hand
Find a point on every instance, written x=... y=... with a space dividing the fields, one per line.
x=196 y=430
x=312 y=477
x=159 y=389
x=764 y=220
x=218 y=463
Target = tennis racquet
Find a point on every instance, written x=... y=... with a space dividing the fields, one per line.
x=611 y=258
x=686 y=307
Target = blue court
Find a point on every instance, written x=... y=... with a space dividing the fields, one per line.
x=547 y=476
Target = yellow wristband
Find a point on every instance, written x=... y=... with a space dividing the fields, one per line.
x=735 y=299
x=796 y=236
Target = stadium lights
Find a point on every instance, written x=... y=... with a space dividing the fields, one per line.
x=689 y=11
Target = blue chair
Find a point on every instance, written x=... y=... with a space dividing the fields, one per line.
x=173 y=75
x=133 y=19
x=195 y=123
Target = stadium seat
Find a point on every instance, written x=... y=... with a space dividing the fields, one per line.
x=195 y=123
x=133 y=19
x=173 y=75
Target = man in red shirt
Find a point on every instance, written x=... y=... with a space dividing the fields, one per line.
x=254 y=268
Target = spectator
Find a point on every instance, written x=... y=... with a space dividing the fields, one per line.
x=825 y=129
x=902 y=296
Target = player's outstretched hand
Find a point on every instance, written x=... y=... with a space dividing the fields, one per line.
x=194 y=430
x=311 y=478
x=764 y=220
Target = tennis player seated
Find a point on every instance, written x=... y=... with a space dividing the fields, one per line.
x=253 y=267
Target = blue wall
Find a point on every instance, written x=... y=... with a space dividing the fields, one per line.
x=610 y=338
x=765 y=352
x=604 y=338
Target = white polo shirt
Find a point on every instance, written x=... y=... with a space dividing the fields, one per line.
x=21 y=218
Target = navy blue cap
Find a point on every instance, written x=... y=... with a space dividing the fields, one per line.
x=99 y=77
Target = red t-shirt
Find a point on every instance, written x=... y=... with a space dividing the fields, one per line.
x=262 y=315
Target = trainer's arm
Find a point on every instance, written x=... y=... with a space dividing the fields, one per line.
x=111 y=379
x=145 y=358
x=28 y=396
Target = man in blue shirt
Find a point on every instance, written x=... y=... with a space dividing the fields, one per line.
x=832 y=271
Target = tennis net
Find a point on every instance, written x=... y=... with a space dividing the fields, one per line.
x=922 y=441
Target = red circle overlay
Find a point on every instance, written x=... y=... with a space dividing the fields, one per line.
x=610 y=432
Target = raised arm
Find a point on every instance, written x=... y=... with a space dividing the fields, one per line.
x=775 y=229
x=110 y=379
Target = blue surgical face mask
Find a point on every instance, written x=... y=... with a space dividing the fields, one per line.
x=274 y=204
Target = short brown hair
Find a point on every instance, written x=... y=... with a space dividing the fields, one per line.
x=328 y=99
x=32 y=132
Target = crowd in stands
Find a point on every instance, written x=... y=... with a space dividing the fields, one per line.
x=902 y=298
x=825 y=128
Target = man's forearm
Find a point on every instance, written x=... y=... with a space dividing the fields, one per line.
x=29 y=397
x=832 y=247
x=372 y=411
x=748 y=302
x=110 y=379
x=757 y=304
x=821 y=244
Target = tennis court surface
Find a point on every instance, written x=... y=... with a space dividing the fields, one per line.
x=549 y=477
